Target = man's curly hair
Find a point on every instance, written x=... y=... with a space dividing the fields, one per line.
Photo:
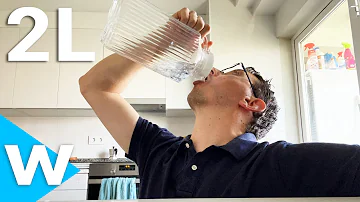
x=263 y=121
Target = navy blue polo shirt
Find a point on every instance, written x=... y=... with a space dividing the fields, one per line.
x=169 y=167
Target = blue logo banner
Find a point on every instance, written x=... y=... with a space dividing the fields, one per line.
x=10 y=134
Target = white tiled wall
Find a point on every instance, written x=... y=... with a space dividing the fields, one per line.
x=55 y=131
x=240 y=36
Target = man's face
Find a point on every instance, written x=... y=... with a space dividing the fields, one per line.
x=226 y=90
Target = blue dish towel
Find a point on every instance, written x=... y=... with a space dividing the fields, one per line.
x=113 y=188
x=118 y=189
x=132 y=188
x=105 y=189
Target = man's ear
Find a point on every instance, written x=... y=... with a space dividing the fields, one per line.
x=253 y=104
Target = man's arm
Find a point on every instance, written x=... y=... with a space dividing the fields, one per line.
x=102 y=85
x=319 y=169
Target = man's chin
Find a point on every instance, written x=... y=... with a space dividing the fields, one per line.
x=196 y=98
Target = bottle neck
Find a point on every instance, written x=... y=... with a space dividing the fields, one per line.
x=204 y=66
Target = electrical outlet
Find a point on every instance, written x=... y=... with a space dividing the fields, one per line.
x=96 y=140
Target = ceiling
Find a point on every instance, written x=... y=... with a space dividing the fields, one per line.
x=260 y=7
x=100 y=5
x=266 y=7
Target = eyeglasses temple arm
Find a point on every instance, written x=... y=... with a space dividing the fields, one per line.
x=252 y=87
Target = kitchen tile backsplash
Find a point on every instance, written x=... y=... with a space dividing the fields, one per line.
x=56 y=131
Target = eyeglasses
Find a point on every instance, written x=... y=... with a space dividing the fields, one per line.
x=247 y=75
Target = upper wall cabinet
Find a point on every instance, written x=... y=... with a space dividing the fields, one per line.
x=147 y=85
x=36 y=83
x=84 y=40
x=85 y=20
x=176 y=94
x=8 y=39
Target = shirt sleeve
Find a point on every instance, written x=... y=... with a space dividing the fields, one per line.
x=147 y=138
x=319 y=169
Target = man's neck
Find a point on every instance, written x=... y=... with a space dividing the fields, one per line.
x=216 y=127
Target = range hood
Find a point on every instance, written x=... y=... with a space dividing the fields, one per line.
x=157 y=106
x=56 y=112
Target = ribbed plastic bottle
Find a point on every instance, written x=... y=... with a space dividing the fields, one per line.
x=139 y=31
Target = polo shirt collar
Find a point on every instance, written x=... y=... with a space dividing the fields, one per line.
x=239 y=147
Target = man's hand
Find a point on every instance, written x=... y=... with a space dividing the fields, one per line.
x=191 y=19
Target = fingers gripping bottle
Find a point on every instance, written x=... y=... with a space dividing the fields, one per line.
x=141 y=32
x=313 y=62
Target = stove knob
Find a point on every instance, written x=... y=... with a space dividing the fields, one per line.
x=113 y=171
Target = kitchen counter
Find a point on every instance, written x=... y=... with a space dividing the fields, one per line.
x=101 y=160
x=247 y=200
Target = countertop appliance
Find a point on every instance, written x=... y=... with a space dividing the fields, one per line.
x=98 y=171
x=113 y=153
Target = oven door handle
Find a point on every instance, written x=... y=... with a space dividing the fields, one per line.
x=98 y=181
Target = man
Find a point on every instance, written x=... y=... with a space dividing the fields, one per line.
x=222 y=157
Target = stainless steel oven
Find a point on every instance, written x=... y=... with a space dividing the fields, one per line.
x=98 y=171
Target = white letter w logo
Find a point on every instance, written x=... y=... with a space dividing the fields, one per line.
x=39 y=154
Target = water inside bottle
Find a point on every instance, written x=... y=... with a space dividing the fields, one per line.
x=138 y=30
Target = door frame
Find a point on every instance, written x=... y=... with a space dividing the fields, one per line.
x=355 y=25
x=299 y=73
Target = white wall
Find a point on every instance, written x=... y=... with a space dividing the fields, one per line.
x=55 y=131
x=289 y=91
x=240 y=37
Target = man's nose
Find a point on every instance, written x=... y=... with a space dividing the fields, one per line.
x=214 y=72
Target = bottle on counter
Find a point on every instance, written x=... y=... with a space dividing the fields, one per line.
x=320 y=57
x=341 y=61
x=330 y=61
x=349 y=57
x=312 y=62
x=139 y=31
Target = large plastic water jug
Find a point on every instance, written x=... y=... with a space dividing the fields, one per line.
x=139 y=31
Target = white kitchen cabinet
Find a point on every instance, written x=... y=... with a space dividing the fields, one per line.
x=77 y=182
x=3 y=18
x=146 y=85
x=9 y=37
x=69 y=92
x=176 y=94
x=74 y=189
x=7 y=76
x=84 y=40
x=47 y=43
x=36 y=83
x=66 y=195
x=89 y=20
